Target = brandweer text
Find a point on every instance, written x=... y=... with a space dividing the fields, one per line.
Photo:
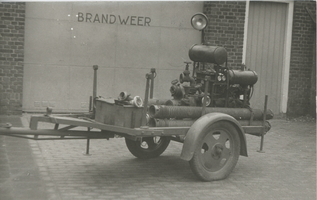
x=111 y=19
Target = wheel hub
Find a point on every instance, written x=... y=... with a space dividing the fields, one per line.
x=216 y=151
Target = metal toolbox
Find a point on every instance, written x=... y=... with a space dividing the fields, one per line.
x=108 y=112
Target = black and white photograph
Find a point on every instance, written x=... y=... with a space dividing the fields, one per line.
x=158 y=100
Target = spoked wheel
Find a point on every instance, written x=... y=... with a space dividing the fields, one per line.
x=148 y=147
x=217 y=153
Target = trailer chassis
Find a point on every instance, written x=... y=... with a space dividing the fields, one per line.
x=84 y=126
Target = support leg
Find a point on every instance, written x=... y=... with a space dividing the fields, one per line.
x=263 y=124
x=87 y=145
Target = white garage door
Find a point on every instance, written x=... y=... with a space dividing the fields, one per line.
x=265 y=51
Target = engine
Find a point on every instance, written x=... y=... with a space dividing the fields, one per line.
x=226 y=87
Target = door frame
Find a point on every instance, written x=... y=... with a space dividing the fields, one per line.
x=287 y=49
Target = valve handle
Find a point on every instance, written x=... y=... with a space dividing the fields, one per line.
x=187 y=64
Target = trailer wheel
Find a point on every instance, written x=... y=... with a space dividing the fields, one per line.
x=148 y=147
x=217 y=153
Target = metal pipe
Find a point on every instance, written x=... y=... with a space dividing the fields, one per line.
x=49 y=132
x=180 y=112
x=146 y=98
x=154 y=122
x=265 y=109
x=152 y=83
x=194 y=70
x=94 y=93
x=207 y=79
x=90 y=104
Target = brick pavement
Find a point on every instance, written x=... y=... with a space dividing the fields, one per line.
x=19 y=175
x=287 y=169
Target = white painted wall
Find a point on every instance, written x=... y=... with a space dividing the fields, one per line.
x=60 y=50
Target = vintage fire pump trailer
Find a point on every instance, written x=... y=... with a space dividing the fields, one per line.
x=209 y=113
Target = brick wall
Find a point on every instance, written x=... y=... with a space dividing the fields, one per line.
x=226 y=28
x=12 y=17
x=301 y=81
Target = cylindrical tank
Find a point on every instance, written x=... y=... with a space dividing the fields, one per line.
x=242 y=77
x=209 y=54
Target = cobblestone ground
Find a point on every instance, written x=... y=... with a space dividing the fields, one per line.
x=287 y=170
x=19 y=175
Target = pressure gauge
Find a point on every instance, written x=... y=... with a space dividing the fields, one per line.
x=208 y=100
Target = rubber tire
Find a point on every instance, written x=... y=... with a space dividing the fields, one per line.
x=142 y=153
x=196 y=164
